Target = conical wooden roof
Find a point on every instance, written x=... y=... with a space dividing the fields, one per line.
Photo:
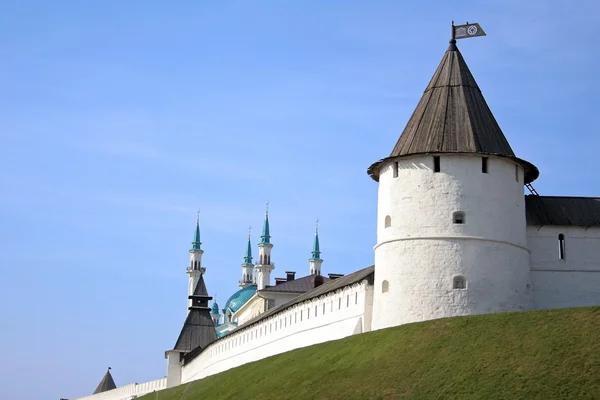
x=453 y=117
x=199 y=328
x=107 y=383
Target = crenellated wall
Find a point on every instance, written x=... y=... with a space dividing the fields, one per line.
x=130 y=391
x=571 y=281
x=332 y=316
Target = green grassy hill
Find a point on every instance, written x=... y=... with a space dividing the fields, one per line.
x=530 y=355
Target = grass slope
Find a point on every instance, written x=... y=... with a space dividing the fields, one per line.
x=551 y=354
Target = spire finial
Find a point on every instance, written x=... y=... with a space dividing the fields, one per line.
x=248 y=256
x=266 y=236
x=196 y=243
x=316 y=251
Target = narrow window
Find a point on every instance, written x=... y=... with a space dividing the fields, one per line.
x=517 y=173
x=458 y=217
x=484 y=162
x=300 y=315
x=561 y=246
x=348 y=300
x=385 y=287
x=395 y=169
x=340 y=304
x=436 y=163
x=459 y=282
x=388 y=221
x=356 y=298
x=323 y=308
x=308 y=313
x=269 y=260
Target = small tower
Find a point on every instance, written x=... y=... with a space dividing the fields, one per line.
x=264 y=266
x=247 y=266
x=214 y=313
x=315 y=261
x=107 y=383
x=195 y=268
x=451 y=233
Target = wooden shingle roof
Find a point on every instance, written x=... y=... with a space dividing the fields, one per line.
x=198 y=329
x=453 y=117
x=562 y=211
x=107 y=383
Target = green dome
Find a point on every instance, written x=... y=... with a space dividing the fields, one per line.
x=239 y=298
x=215 y=308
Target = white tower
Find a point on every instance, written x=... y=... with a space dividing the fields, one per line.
x=247 y=267
x=451 y=233
x=195 y=269
x=315 y=261
x=264 y=266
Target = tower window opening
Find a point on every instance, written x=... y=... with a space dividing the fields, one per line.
x=459 y=282
x=388 y=221
x=561 y=246
x=458 y=217
x=347 y=300
x=395 y=170
x=484 y=165
x=385 y=287
x=436 y=163
x=323 y=308
x=356 y=298
x=316 y=311
x=340 y=303
x=517 y=173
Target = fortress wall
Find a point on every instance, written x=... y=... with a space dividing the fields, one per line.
x=570 y=282
x=129 y=391
x=329 y=317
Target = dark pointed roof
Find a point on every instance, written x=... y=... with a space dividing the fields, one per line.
x=107 y=383
x=453 y=117
x=199 y=328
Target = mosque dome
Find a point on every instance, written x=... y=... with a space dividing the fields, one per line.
x=215 y=308
x=239 y=298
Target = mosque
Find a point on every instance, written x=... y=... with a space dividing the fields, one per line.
x=456 y=235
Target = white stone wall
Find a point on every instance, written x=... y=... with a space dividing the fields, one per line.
x=420 y=250
x=570 y=282
x=329 y=317
x=130 y=391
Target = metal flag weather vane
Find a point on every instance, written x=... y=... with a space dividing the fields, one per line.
x=466 y=31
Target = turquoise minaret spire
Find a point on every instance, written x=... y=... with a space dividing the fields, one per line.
x=315 y=261
x=247 y=266
x=316 y=253
x=248 y=256
x=196 y=243
x=266 y=237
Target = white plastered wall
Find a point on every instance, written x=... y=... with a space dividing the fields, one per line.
x=292 y=328
x=423 y=250
x=128 y=391
x=570 y=282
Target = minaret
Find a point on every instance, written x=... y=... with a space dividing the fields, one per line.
x=315 y=261
x=451 y=232
x=247 y=266
x=195 y=268
x=264 y=266
x=214 y=313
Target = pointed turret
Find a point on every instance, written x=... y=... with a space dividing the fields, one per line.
x=453 y=117
x=196 y=243
x=248 y=255
x=247 y=266
x=315 y=261
x=264 y=266
x=107 y=383
x=266 y=237
x=198 y=329
x=195 y=268
x=214 y=313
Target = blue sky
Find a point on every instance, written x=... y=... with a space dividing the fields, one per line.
x=118 y=120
